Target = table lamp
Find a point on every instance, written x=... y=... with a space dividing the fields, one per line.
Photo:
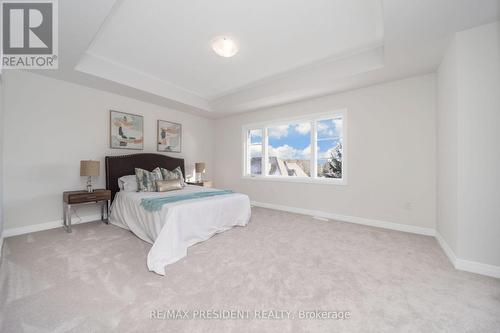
x=89 y=169
x=200 y=170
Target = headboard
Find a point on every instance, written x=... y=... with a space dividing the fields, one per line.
x=119 y=166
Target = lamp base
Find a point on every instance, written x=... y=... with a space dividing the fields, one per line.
x=199 y=177
x=89 y=185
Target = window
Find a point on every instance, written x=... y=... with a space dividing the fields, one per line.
x=329 y=147
x=289 y=150
x=310 y=149
x=255 y=152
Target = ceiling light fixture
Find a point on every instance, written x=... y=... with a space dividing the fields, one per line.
x=224 y=46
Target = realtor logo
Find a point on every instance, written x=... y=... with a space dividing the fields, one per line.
x=29 y=36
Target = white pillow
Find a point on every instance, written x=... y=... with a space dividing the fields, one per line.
x=128 y=183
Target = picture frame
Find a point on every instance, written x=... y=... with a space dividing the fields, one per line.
x=126 y=130
x=168 y=137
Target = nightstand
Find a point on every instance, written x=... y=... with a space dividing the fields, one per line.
x=83 y=197
x=205 y=183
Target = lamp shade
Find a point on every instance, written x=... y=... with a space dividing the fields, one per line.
x=199 y=167
x=89 y=168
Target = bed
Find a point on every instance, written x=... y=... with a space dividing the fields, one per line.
x=176 y=225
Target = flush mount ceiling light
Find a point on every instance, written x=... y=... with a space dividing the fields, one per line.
x=224 y=46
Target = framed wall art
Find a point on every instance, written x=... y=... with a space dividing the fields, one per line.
x=169 y=136
x=126 y=130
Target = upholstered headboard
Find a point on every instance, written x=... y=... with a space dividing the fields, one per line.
x=119 y=166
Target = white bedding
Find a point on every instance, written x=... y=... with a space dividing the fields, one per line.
x=178 y=225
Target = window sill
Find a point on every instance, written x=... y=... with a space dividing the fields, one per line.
x=323 y=181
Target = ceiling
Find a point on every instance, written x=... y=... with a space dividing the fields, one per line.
x=172 y=43
x=160 y=52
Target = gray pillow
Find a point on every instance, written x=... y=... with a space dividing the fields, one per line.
x=146 y=181
x=174 y=174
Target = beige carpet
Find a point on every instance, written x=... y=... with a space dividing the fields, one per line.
x=96 y=280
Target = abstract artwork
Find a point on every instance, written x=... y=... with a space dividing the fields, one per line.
x=126 y=130
x=169 y=136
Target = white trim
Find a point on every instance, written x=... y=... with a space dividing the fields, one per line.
x=302 y=118
x=457 y=263
x=244 y=155
x=265 y=153
x=478 y=268
x=351 y=219
x=467 y=265
x=300 y=69
x=111 y=70
x=211 y=97
x=309 y=180
x=47 y=225
x=446 y=248
x=314 y=148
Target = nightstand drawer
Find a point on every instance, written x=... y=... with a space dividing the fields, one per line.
x=81 y=197
x=71 y=198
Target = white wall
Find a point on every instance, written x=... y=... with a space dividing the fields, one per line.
x=447 y=126
x=391 y=162
x=469 y=123
x=479 y=137
x=51 y=125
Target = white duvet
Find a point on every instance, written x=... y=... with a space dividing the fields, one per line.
x=178 y=225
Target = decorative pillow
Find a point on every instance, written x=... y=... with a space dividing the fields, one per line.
x=168 y=185
x=146 y=181
x=128 y=183
x=174 y=174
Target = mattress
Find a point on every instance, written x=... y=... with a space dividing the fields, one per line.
x=178 y=225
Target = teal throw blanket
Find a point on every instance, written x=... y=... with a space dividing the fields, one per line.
x=155 y=204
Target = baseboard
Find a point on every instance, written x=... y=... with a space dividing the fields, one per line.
x=467 y=265
x=458 y=263
x=478 y=268
x=446 y=249
x=351 y=219
x=47 y=225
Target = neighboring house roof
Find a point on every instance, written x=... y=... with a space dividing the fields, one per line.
x=298 y=168
x=279 y=167
x=256 y=165
x=295 y=169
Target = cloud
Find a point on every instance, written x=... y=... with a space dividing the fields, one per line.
x=282 y=131
x=322 y=126
x=330 y=128
x=303 y=128
x=327 y=154
x=256 y=133
x=255 y=151
x=290 y=153
x=278 y=132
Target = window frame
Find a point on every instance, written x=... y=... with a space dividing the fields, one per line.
x=311 y=118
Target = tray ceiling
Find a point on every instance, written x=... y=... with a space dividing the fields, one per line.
x=160 y=51
x=171 y=40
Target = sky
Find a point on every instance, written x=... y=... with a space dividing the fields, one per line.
x=293 y=141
